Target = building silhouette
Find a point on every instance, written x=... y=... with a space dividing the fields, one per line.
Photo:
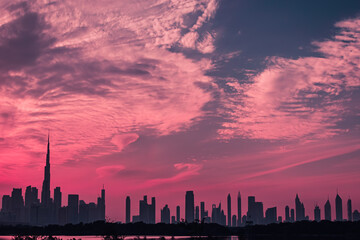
x=349 y=210
x=189 y=206
x=271 y=215
x=218 y=215
x=146 y=211
x=127 y=215
x=165 y=214
x=84 y=211
x=239 y=209
x=292 y=215
x=255 y=214
x=197 y=214
x=317 y=214
x=234 y=221
x=45 y=192
x=73 y=208
x=287 y=214
x=327 y=210
x=177 y=214
x=338 y=208
x=229 y=209
x=299 y=209
x=356 y=216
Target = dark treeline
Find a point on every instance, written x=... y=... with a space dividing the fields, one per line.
x=298 y=230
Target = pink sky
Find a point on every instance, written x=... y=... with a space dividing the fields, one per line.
x=127 y=91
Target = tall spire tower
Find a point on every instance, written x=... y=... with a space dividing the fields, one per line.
x=45 y=193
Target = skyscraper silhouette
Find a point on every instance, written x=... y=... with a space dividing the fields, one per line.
x=338 y=208
x=73 y=208
x=45 y=192
x=127 y=217
x=292 y=215
x=271 y=215
x=177 y=214
x=287 y=214
x=197 y=215
x=229 y=209
x=57 y=204
x=317 y=214
x=327 y=210
x=299 y=209
x=349 y=210
x=189 y=206
x=165 y=215
x=239 y=209
x=255 y=213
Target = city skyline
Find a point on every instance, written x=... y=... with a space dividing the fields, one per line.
x=161 y=97
x=33 y=211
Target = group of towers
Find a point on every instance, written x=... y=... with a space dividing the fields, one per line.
x=44 y=211
x=254 y=215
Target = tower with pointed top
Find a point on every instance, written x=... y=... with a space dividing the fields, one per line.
x=239 y=208
x=45 y=192
x=327 y=210
x=299 y=209
x=338 y=208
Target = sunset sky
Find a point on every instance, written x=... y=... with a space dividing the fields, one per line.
x=157 y=97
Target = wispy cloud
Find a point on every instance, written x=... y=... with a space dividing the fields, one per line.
x=302 y=98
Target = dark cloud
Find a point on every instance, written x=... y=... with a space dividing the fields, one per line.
x=22 y=41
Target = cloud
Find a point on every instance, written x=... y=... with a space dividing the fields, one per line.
x=109 y=171
x=90 y=71
x=122 y=140
x=302 y=98
x=185 y=171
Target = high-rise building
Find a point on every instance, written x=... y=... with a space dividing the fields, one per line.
x=6 y=204
x=93 y=216
x=73 y=209
x=338 y=208
x=128 y=216
x=255 y=213
x=327 y=210
x=292 y=215
x=317 y=214
x=349 y=210
x=271 y=215
x=57 y=197
x=152 y=211
x=202 y=211
x=229 y=209
x=239 y=209
x=189 y=206
x=287 y=214
x=165 y=214
x=299 y=209
x=146 y=211
x=356 y=216
x=45 y=192
x=217 y=215
x=17 y=205
x=83 y=212
x=177 y=214
x=197 y=217
x=234 y=221
x=57 y=204
x=204 y=214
